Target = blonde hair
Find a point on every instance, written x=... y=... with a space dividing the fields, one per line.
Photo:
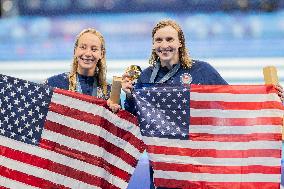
x=100 y=72
x=184 y=58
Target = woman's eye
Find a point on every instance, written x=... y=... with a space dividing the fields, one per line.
x=94 y=50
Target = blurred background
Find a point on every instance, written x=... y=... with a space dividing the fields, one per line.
x=238 y=37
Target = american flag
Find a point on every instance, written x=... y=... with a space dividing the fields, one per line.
x=52 y=138
x=225 y=137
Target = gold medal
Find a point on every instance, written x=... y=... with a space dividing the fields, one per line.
x=134 y=72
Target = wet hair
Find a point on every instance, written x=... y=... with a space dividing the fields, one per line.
x=184 y=58
x=100 y=72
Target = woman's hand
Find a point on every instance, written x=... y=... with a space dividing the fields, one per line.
x=113 y=106
x=280 y=92
x=126 y=84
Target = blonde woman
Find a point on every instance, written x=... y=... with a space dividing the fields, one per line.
x=88 y=73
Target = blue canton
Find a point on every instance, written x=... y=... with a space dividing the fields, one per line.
x=23 y=109
x=163 y=110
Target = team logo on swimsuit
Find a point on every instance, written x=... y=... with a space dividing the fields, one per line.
x=186 y=78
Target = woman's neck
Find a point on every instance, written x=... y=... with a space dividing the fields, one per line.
x=86 y=72
x=169 y=64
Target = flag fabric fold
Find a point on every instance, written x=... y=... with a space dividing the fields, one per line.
x=52 y=138
x=210 y=136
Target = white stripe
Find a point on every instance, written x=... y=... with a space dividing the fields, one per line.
x=87 y=148
x=264 y=161
x=235 y=129
x=44 y=174
x=218 y=113
x=61 y=159
x=96 y=110
x=12 y=184
x=218 y=177
x=229 y=97
x=213 y=144
x=95 y=130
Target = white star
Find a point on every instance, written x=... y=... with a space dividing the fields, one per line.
x=158 y=105
x=6 y=118
x=174 y=90
x=148 y=93
x=27 y=104
x=20 y=130
x=30 y=133
x=19 y=89
x=20 y=109
x=158 y=94
x=2 y=91
x=3 y=111
x=138 y=112
x=1 y=123
x=26 y=84
x=173 y=123
x=40 y=116
x=163 y=122
x=9 y=127
x=174 y=112
x=47 y=91
x=6 y=98
x=37 y=108
x=153 y=120
x=154 y=88
x=169 y=94
x=179 y=106
x=178 y=129
x=169 y=105
x=158 y=126
x=27 y=125
x=148 y=104
x=168 y=128
x=37 y=128
x=34 y=120
x=168 y=117
x=147 y=126
x=16 y=101
x=173 y=133
x=9 y=86
x=16 y=81
x=34 y=100
x=44 y=103
x=9 y=106
x=142 y=130
x=2 y=131
x=148 y=114
x=34 y=140
x=184 y=123
x=164 y=89
x=24 y=117
x=158 y=116
x=184 y=100
x=152 y=132
x=179 y=94
x=30 y=92
x=23 y=137
x=13 y=94
x=184 y=112
x=184 y=90
x=163 y=132
x=174 y=100
x=37 y=88
x=40 y=95
x=163 y=100
x=142 y=119
x=13 y=134
x=5 y=78
x=13 y=114
x=153 y=99
x=23 y=97
x=183 y=134
x=179 y=117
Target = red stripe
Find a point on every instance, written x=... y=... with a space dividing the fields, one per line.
x=235 y=105
x=2 y=187
x=213 y=152
x=98 y=122
x=234 y=89
x=235 y=121
x=235 y=137
x=54 y=167
x=100 y=102
x=91 y=139
x=27 y=179
x=214 y=185
x=216 y=169
x=85 y=157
